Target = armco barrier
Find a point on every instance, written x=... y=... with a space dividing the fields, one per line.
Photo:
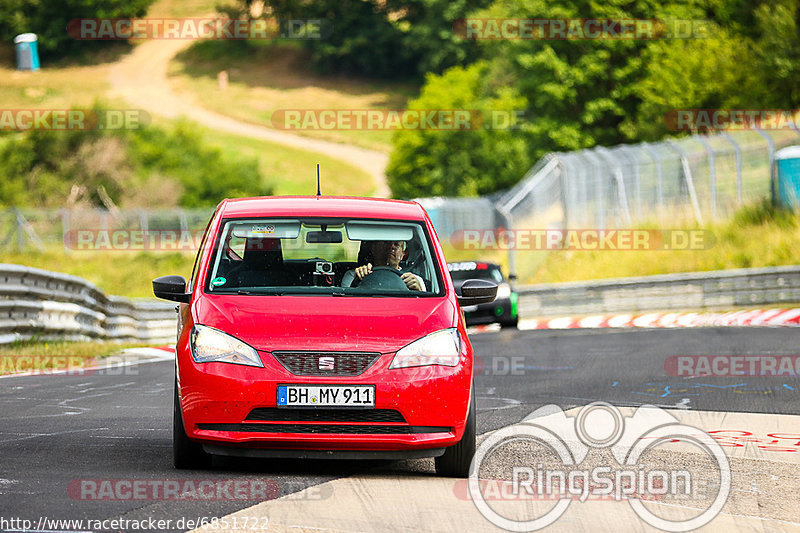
x=36 y=302
x=713 y=291
x=39 y=303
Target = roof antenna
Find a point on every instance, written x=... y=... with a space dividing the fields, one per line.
x=318 y=191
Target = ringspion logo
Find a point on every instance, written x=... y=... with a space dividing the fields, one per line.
x=627 y=477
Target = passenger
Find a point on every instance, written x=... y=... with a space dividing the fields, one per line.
x=385 y=253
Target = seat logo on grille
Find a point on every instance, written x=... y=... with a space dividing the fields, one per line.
x=327 y=363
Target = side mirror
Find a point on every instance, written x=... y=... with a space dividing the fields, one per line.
x=171 y=288
x=477 y=291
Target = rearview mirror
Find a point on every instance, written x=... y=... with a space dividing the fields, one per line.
x=171 y=288
x=477 y=291
x=324 y=237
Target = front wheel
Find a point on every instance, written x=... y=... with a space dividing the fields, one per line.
x=186 y=453
x=457 y=459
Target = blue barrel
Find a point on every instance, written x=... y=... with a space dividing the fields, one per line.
x=787 y=164
x=27 y=51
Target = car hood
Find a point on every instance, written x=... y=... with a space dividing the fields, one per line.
x=269 y=323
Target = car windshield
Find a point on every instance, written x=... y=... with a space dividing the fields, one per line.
x=320 y=255
x=471 y=270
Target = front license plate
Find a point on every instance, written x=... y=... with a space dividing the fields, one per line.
x=469 y=308
x=326 y=396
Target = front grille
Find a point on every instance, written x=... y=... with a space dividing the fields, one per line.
x=308 y=363
x=324 y=428
x=273 y=414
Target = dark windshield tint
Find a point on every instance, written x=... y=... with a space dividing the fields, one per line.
x=319 y=256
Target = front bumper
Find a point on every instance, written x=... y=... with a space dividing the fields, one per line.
x=218 y=399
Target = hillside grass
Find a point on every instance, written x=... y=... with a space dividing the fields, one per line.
x=265 y=77
x=757 y=236
x=293 y=171
x=68 y=85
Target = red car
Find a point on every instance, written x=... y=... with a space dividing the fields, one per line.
x=318 y=327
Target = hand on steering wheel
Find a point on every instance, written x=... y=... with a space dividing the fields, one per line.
x=410 y=280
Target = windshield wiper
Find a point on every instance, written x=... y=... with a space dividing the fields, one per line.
x=247 y=292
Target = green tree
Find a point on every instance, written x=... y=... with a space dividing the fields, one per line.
x=469 y=162
x=49 y=19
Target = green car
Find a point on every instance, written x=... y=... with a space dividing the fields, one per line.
x=502 y=310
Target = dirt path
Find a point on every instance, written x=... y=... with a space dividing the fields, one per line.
x=141 y=79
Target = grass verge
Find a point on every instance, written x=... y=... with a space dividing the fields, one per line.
x=117 y=273
x=757 y=236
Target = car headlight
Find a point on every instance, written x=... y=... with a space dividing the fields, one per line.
x=210 y=345
x=440 y=348
x=503 y=290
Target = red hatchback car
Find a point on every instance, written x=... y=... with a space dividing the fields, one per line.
x=318 y=327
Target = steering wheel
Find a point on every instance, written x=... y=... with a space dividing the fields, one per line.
x=383 y=277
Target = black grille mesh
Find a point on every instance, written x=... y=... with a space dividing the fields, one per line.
x=307 y=363
x=273 y=414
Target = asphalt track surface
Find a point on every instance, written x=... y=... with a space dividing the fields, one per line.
x=57 y=429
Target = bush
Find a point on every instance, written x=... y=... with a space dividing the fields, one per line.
x=44 y=168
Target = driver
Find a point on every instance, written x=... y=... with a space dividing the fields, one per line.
x=388 y=254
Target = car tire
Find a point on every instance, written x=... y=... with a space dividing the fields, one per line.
x=457 y=459
x=186 y=453
x=509 y=323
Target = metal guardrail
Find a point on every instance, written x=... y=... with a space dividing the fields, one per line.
x=48 y=305
x=713 y=291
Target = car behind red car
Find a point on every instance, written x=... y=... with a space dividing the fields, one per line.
x=287 y=349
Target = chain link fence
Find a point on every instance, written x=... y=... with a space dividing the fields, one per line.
x=23 y=228
x=696 y=179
